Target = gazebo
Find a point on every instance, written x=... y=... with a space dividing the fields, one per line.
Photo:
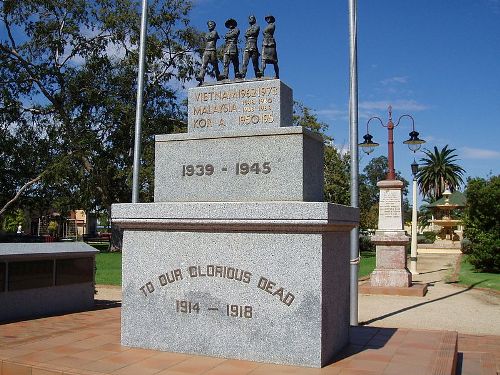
x=444 y=216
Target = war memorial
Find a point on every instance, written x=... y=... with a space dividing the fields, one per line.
x=238 y=256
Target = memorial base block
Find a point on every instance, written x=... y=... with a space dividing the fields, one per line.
x=391 y=278
x=390 y=270
x=254 y=281
x=415 y=290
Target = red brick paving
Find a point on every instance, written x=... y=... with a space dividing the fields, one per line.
x=88 y=343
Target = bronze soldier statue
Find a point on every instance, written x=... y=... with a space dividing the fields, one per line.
x=231 y=49
x=210 y=53
x=269 y=54
x=251 y=49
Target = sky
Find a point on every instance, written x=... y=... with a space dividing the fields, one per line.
x=438 y=61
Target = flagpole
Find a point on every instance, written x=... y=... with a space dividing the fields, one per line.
x=139 y=106
x=353 y=137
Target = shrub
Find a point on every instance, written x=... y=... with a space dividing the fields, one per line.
x=52 y=228
x=484 y=253
x=430 y=236
x=466 y=246
x=366 y=244
x=482 y=223
x=423 y=239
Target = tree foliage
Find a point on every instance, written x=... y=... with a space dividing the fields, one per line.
x=305 y=117
x=337 y=176
x=438 y=169
x=11 y=221
x=482 y=222
x=68 y=71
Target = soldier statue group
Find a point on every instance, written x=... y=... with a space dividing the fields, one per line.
x=231 y=55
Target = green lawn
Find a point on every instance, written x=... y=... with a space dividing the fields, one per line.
x=108 y=268
x=367 y=264
x=468 y=276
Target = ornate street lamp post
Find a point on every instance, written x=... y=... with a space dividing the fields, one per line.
x=414 y=143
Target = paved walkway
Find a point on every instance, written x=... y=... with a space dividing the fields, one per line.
x=88 y=343
x=446 y=306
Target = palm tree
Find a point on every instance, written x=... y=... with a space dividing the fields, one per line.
x=438 y=171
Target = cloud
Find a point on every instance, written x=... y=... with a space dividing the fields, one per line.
x=343 y=148
x=397 y=105
x=478 y=153
x=391 y=80
x=333 y=113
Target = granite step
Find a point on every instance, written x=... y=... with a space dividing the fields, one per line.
x=476 y=363
x=446 y=355
x=480 y=344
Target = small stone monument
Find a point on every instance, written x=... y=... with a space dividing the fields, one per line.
x=391 y=275
x=238 y=257
x=390 y=238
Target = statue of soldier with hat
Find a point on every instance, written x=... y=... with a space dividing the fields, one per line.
x=269 y=54
x=251 y=49
x=210 y=53
x=231 y=49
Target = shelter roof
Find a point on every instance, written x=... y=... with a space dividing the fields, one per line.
x=457 y=198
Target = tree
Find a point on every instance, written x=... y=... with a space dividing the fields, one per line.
x=305 y=117
x=11 y=221
x=439 y=169
x=337 y=176
x=68 y=72
x=482 y=222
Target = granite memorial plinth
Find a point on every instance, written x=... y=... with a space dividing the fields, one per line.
x=238 y=257
x=262 y=281
x=269 y=164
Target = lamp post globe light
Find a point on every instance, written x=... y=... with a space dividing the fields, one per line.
x=414 y=143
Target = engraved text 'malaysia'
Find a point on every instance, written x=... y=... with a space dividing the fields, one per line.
x=217 y=108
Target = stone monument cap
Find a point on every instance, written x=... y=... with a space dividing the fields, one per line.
x=243 y=105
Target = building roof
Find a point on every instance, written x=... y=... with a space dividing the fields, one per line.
x=456 y=198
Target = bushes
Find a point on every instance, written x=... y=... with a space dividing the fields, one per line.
x=466 y=246
x=485 y=253
x=482 y=223
x=366 y=244
x=426 y=238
